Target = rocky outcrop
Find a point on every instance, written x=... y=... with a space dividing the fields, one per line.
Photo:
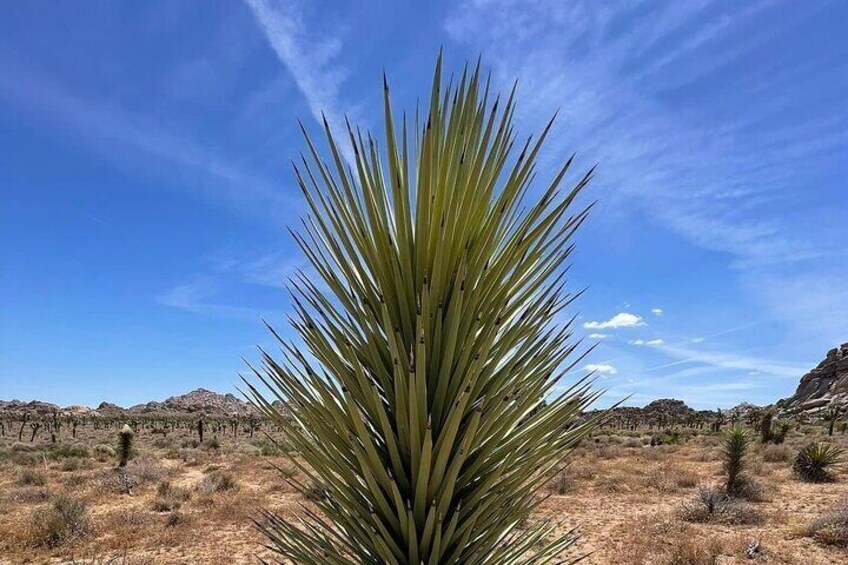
x=33 y=407
x=825 y=385
x=200 y=401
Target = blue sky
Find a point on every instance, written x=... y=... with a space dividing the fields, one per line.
x=144 y=153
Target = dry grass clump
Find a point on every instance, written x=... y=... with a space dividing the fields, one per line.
x=64 y=520
x=104 y=452
x=776 y=453
x=32 y=478
x=562 y=483
x=831 y=528
x=217 y=481
x=713 y=505
x=169 y=497
x=30 y=495
x=671 y=542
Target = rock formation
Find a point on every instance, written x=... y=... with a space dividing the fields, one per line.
x=826 y=384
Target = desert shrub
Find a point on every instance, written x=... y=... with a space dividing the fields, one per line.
x=633 y=442
x=26 y=458
x=166 y=489
x=250 y=450
x=776 y=454
x=684 y=478
x=831 y=528
x=65 y=519
x=104 y=452
x=30 y=495
x=18 y=447
x=562 y=483
x=75 y=480
x=212 y=443
x=694 y=551
x=659 y=479
x=614 y=483
x=65 y=450
x=174 y=519
x=162 y=442
x=217 y=481
x=189 y=444
x=816 y=461
x=270 y=447
x=32 y=478
x=714 y=505
x=148 y=471
x=69 y=465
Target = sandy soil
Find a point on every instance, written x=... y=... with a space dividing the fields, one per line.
x=196 y=504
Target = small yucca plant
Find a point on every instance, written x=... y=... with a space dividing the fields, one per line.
x=426 y=410
x=735 y=446
x=815 y=462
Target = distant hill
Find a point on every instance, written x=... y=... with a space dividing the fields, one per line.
x=200 y=401
x=826 y=384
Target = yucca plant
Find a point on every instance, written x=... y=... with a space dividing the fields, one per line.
x=426 y=407
x=815 y=462
x=735 y=446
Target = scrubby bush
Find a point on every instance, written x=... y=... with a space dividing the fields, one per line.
x=104 y=452
x=832 y=527
x=562 y=483
x=816 y=461
x=32 y=478
x=65 y=519
x=714 y=505
x=69 y=465
x=65 y=450
x=776 y=454
x=217 y=481
x=212 y=443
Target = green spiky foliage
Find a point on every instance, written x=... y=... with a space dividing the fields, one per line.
x=816 y=461
x=425 y=408
x=125 y=439
x=766 y=431
x=735 y=446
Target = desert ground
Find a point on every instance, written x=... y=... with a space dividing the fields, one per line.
x=179 y=501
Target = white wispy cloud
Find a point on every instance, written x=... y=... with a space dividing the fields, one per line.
x=601 y=368
x=598 y=336
x=735 y=361
x=620 y=320
x=608 y=71
x=310 y=58
x=198 y=296
x=657 y=311
x=127 y=139
x=644 y=342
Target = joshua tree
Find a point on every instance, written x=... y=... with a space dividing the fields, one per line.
x=735 y=446
x=766 y=433
x=832 y=415
x=419 y=408
x=125 y=438
x=200 y=430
